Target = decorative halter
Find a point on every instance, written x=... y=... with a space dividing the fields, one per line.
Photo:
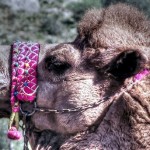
x=23 y=81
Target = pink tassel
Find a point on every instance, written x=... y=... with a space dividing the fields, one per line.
x=141 y=74
x=13 y=133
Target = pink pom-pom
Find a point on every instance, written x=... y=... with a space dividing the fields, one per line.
x=13 y=133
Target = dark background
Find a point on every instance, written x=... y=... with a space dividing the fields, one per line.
x=45 y=21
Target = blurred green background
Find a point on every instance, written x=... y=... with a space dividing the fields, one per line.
x=46 y=21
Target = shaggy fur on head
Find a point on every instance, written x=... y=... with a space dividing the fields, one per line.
x=116 y=26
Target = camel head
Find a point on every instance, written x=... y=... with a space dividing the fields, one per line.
x=81 y=83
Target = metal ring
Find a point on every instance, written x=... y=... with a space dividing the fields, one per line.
x=26 y=113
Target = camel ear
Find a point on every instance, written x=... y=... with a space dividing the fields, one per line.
x=126 y=64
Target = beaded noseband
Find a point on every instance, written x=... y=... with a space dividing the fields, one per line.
x=23 y=81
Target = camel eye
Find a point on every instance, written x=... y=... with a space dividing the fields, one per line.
x=56 y=66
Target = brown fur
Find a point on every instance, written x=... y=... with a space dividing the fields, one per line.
x=107 y=39
x=115 y=26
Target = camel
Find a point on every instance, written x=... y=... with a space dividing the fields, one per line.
x=94 y=92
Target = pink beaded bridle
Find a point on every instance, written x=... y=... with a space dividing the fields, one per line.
x=23 y=81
